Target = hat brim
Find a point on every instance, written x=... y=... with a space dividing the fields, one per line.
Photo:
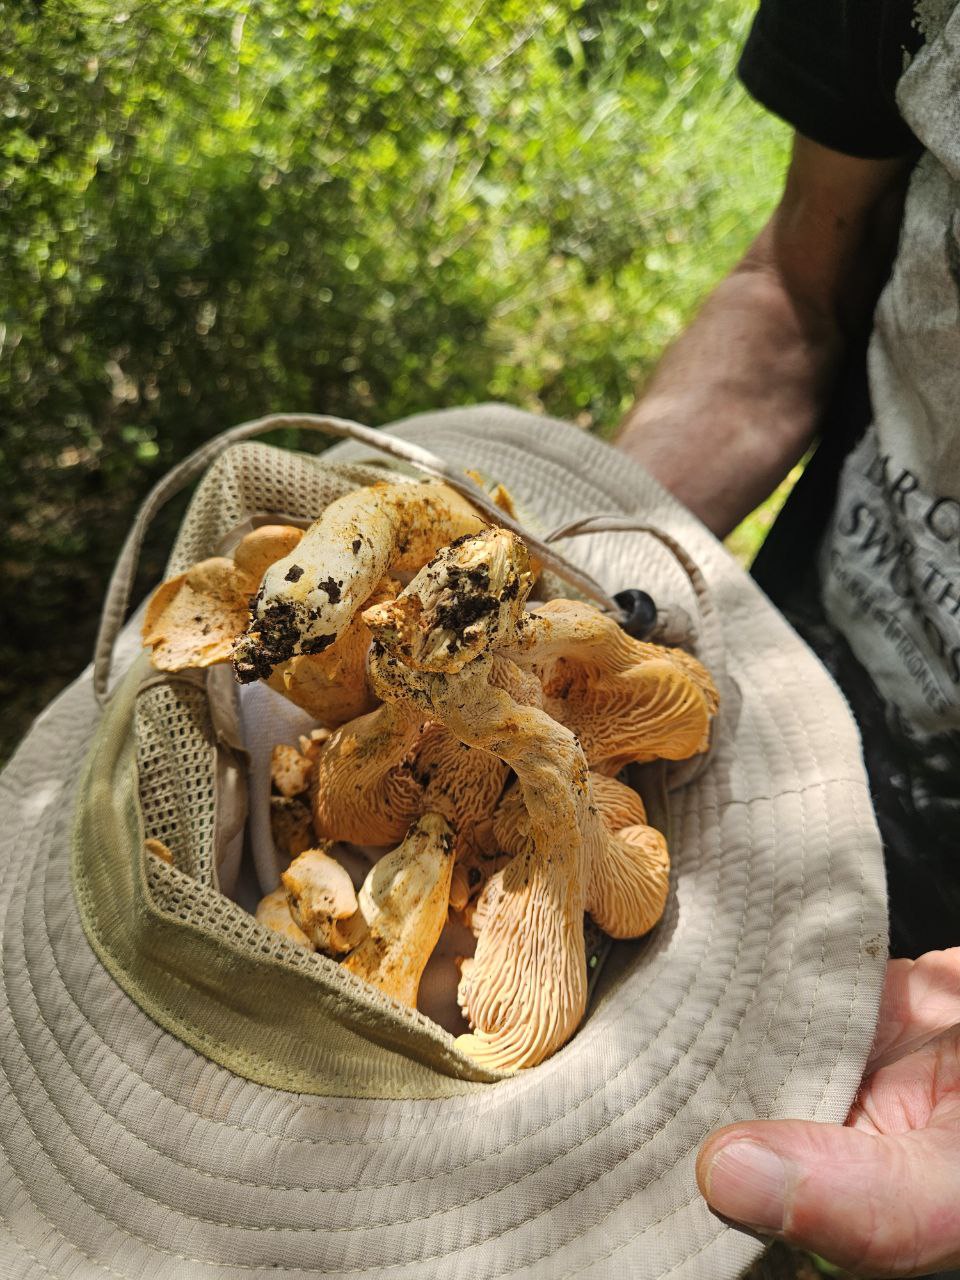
x=125 y=1153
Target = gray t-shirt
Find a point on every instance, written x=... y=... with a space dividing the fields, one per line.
x=890 y=562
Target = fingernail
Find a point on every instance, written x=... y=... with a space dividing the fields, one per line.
x=748 y=1182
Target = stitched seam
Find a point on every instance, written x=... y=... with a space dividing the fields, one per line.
x=387 y=1186
x=315 y=1141
x=42 y=1265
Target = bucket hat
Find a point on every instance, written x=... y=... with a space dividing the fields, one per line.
x=181 y=1096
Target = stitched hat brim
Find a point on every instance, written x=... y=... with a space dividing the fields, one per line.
x=126 y=1154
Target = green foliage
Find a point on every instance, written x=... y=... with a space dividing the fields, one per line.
x=208 y=212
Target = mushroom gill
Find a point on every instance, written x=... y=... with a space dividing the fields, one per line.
x=624 y=699
x=364 y=790
x=460 y=782
x=629 y=864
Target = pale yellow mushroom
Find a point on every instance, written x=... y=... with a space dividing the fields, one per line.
x=290 y=825
x=404 y=903
x=290 y=771
x=461 y=604
x=308 y=598
x=527 y=988
x=193 y=619
x=364 y=791
x=262 y=547
x=274 y=912
x=332 y=686
x=624 y=699
x=323 y=902
x=629 y=864
x=159 y=850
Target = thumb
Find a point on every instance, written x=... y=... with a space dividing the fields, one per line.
x=873 y=1204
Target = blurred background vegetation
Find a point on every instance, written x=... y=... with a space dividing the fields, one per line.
x=210 y=212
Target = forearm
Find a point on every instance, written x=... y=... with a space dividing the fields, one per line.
x=735 y=401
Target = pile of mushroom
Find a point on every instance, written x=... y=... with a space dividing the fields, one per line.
x=472 y=740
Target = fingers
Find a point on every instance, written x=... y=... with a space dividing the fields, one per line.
x=876 y=1205
x=921 y=998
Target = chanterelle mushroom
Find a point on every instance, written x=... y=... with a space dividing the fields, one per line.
x=193 y=620
x=364 y=791
x=461 y=783
x=309 y=597
x=323 y=902
x=624 y=699
x=404 y=903
x=527 y=987
x=629 y=863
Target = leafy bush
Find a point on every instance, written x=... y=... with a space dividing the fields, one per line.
x=209 y=212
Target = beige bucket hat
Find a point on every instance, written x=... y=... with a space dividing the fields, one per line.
x=181 y=1098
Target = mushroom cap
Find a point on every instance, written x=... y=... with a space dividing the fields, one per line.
x=274 y=912
x=470 y=595
x=629 y=874
x=624 y=699
x=364 y=791
x=193 y=620
x=404 y=902
x=323 y=902
x=629 y=880
x=307 y=598
x=290 y=771
x=290 y=825
x=262 y=547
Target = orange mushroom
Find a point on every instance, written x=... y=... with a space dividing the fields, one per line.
x=624 y=699
x=629 y=864
x=308 y=598
x=193 y=619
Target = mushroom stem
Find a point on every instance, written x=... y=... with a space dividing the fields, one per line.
x=404 y=903
x=309 y=596
x=527 y=988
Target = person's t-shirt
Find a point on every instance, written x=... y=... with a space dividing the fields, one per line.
x=830 y=69
x=889 y=560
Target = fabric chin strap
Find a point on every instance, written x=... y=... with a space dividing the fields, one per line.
x=117 y=599
x=710 y=640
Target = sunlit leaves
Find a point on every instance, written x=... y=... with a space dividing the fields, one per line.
x=208 y=211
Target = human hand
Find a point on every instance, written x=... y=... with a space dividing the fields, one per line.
x=880 y=1195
